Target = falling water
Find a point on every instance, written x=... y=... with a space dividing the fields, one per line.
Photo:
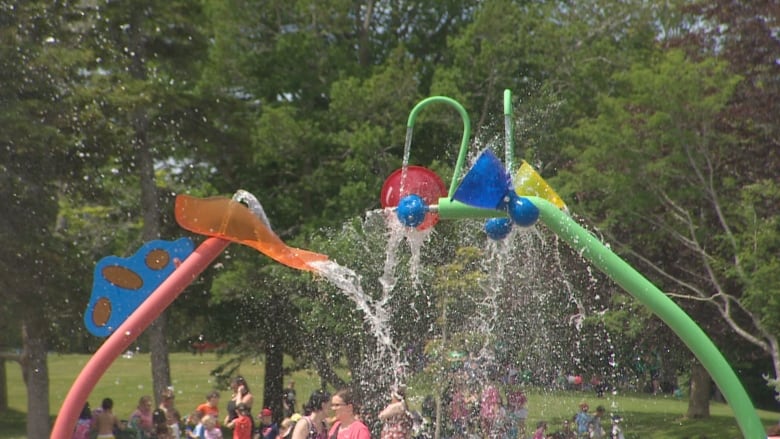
x=377 y=310
x=508 y=143
x=526 y=311
x=407 y=152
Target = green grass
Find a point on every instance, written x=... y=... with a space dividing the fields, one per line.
x=129 y=379
x=644 y=416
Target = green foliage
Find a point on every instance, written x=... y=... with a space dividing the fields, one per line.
x=649 y=167
x=760 y=242
x=304 y=103
x=39 y=150
x=649 y=140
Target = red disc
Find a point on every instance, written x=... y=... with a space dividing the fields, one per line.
x=416 y=180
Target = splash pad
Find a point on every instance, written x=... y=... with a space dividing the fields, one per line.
x=418 y=199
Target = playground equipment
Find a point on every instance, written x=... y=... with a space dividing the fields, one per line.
x=419 y=199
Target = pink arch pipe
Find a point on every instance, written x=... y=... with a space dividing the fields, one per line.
x=136 y=323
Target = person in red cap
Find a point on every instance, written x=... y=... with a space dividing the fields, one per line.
x=266 y=428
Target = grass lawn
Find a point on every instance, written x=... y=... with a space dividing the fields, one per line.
x=129 y=379
x=644 y=416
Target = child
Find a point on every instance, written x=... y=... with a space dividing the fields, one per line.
x=490 y=411
x=194 y=428
x=286 y=428
x=516 y=412
x=594 y=426
x=241 y=425
x=565 y=432
x=174 y=422
x=616 y=432
x=210 y=429
x=84 y=424
x=267 y=428
x=540 y=429
x=582 y=419
x=210 y=406
x=106 y=422
x=161 y=428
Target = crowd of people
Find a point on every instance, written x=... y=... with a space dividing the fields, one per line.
x=324 y=416
x=468 y=414
x=477 y=410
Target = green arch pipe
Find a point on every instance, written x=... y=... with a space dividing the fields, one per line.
x=593 y=250
x=464 y=143
x=643 y=290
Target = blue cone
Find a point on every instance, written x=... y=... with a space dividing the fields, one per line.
x=486 y=183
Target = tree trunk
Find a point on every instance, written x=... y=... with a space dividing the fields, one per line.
x=35 y=372
x=3 y=387
x=701 y=389
x=6 y=356
x=274 y=377
x=364 y=32
x=158 y=345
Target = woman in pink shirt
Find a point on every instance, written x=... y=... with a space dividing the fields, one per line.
x=141 y=418
x=346 y=425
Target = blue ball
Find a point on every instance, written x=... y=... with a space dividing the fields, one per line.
x=411 y=210
x=522 y=211
x=498 y=228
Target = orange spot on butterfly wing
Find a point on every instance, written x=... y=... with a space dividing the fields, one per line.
x=122 y=277
x=157 y=259
x=101 y=312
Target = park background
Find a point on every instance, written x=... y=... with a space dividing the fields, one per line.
x=654 y=120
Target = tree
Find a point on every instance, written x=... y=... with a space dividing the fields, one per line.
x=324 y=89
x=554 y=56
x=39 y=151
x=145 y=53
x=649 y=168
x=745 y=35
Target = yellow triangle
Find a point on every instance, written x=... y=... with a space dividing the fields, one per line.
x=529 y=182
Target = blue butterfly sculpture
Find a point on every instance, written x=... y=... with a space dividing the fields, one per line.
x=120 y=285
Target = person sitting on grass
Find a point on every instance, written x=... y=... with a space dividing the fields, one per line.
x=565 y=432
